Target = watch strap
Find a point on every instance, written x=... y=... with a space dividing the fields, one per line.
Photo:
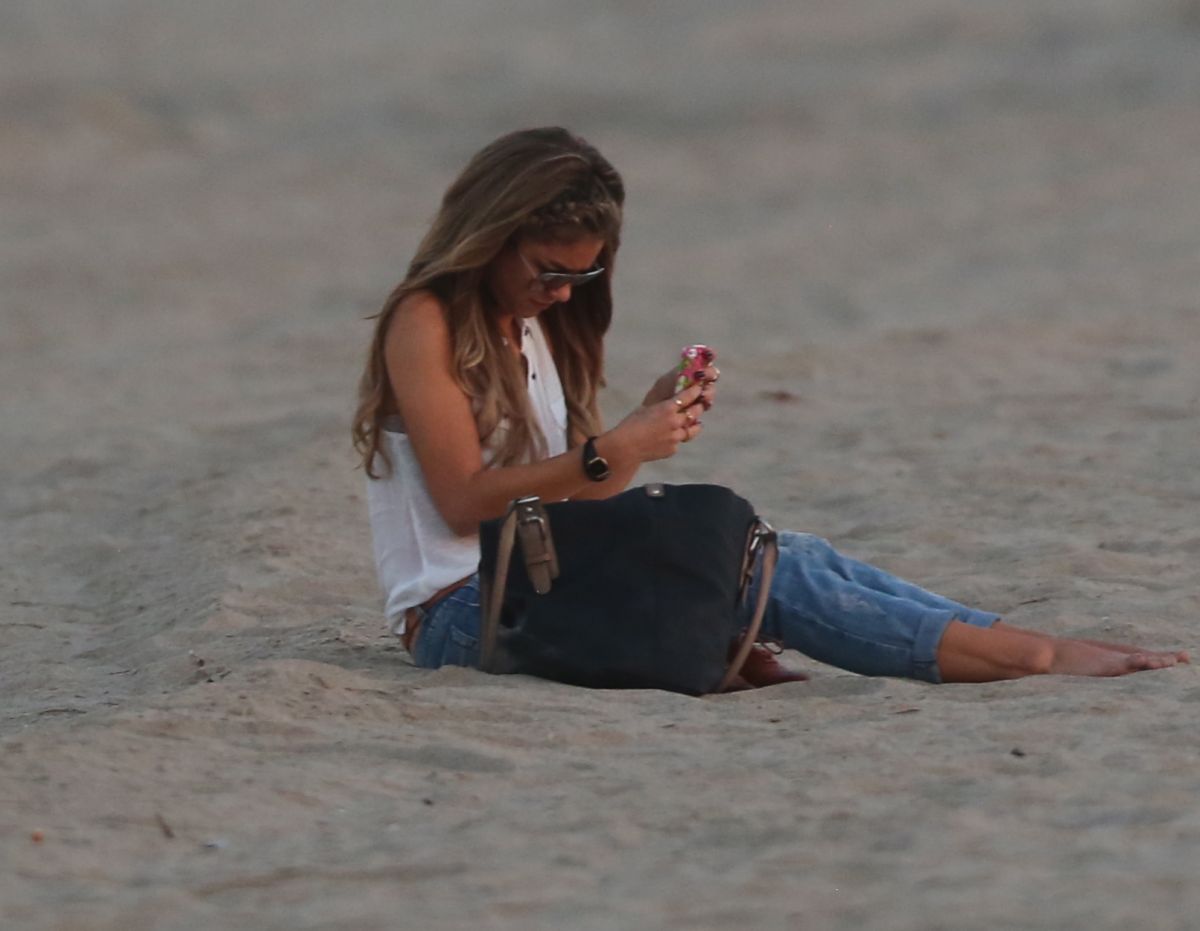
x=595 y=466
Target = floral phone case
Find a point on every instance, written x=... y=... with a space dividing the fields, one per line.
x=692 y=363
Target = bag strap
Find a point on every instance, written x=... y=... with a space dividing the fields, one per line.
x=527 y=517
x=763 y=544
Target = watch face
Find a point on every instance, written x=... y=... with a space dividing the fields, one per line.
x=597 y=469
x=594 y=467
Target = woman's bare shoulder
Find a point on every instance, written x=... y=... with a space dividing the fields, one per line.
x=419 y=318
x=418 y=354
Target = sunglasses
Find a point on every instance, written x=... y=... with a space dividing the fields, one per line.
x=549 y=282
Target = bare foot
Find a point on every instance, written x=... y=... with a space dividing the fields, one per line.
x=1181 y=656
x=1077 y=658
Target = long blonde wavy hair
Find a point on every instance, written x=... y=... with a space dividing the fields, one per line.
x=545 y=184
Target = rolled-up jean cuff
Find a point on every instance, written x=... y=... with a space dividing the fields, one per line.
x=980 y=618
x=929 y=637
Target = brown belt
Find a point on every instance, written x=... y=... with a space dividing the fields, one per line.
x=413 y=616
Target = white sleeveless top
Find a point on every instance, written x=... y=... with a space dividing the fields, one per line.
x=416 y=553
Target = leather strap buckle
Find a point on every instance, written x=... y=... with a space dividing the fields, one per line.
x=537 y=545
x=761 y=535
x=527 y=518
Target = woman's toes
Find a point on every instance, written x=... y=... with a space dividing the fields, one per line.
x=1153 y=660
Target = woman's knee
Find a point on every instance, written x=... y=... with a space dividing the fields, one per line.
x=807 y=543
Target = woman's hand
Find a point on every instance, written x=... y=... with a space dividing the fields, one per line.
x=664 y=388
x=654 y=431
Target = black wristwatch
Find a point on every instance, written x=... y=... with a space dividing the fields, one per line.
x=595 y=466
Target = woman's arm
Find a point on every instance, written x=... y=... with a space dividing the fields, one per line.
x=441 y=427
x=620 y=473
x=663 y=389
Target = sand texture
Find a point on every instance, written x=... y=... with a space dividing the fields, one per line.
x=948 y=252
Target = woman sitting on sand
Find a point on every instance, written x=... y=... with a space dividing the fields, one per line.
x=481 y=386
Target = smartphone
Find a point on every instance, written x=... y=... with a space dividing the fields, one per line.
x=693 y=360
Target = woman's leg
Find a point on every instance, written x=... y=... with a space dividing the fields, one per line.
x=1069 y=653
x=975 y=654
x=820 y=551
x=851 y=615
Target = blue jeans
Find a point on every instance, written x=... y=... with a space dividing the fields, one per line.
x=835 y=609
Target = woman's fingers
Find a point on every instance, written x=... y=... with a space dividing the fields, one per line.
x=687 y=416
x=688 y=429
x=708 y=394
x=681 y=422
x=691 y=407
x=652 y=432
x=688 y=396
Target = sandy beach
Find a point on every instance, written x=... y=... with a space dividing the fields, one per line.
x=948 y=253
